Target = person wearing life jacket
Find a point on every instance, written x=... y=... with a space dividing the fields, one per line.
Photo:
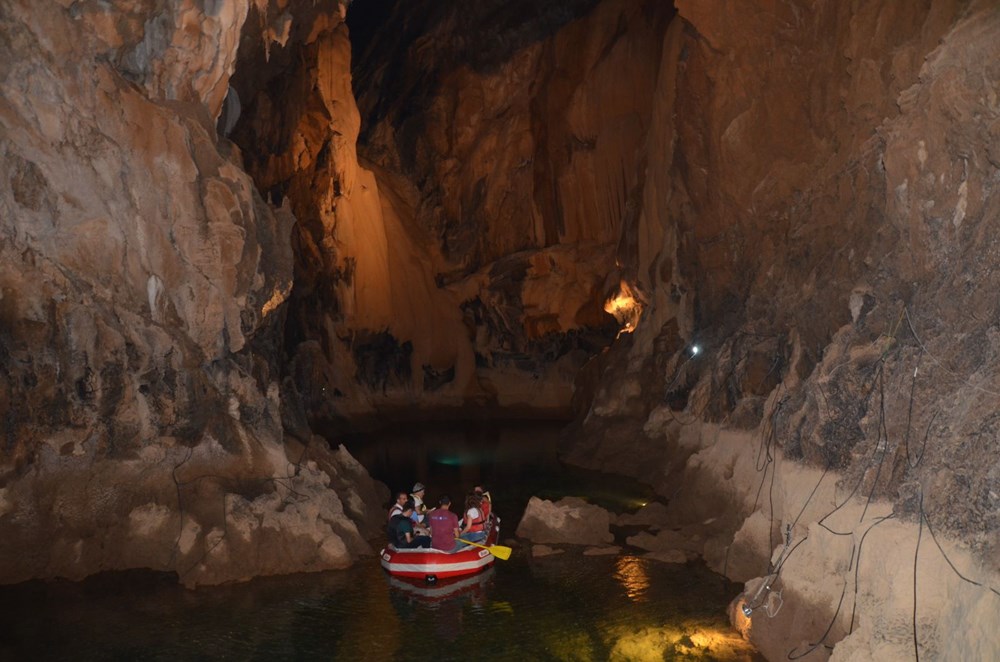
x=397 y=508
x=486 y=501
x=400 y=530
x=444 y=526
x=419 y=509
x=419 y=515
x=473 y=524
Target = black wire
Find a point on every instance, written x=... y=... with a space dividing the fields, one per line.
x=811 y=494
x=930 y=530
x=861 y=478
x=732 y=364
x=180 y=506
x=770 y=505
x=783 y=557
x=927 y=433
x=883 y=433
x=225 y=534
x=829 y=627
x=766 y=441
x=909 y=416
x=224 y=481
x=857 y=566
x=783 y=561
x=916 y=552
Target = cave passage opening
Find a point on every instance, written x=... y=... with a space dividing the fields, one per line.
x=439 y=271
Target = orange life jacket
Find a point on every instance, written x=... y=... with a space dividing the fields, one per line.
x=477 y=524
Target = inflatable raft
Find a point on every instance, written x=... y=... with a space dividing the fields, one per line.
x=433 y=564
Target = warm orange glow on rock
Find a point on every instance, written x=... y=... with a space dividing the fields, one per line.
x=626 y=307
x=741 y=621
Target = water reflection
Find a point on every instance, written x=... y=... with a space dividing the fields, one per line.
x=630 y=571
x=447 y=599
x=565 y=607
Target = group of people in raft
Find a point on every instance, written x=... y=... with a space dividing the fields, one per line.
x=412 y=525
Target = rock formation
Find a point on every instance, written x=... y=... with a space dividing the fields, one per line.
x=142 y=288
x=820 y=205
x=570 y=521
x=468 y=262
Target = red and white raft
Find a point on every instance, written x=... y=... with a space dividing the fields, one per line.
x=433 y=564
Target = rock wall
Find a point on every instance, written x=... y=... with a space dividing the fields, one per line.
x=467 y=259
x=829 y=574
x=817 y=218
x=143 y=283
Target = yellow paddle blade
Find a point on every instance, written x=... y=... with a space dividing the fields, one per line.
x=502 y=552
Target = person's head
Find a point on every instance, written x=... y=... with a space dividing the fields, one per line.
x=418 y=489
x=402 y=498
x=444 y=502
x=479 y=489
x=472 y=501
x=407 y=507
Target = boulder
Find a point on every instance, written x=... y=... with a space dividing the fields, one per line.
x=653 y=514
x=569 y=521
x=668 y=540
x=670 y=556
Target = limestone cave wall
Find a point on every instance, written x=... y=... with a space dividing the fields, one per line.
x=817 y=219
x=829 y=212
x=143 y=284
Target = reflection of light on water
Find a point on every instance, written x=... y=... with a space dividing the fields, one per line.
x=502 y=607
x=630 y=571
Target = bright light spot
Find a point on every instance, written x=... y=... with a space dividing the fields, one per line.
x=694 y=350
x=626 y=307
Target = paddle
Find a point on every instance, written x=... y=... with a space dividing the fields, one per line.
x=499 y=551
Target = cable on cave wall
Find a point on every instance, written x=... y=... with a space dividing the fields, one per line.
x=292 y=470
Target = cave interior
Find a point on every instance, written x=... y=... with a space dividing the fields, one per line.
x=742 y=250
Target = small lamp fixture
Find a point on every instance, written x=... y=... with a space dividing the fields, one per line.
x=695 y=349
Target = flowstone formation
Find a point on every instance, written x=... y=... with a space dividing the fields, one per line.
x=143 y=282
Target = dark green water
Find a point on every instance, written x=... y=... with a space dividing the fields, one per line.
x=563 y=607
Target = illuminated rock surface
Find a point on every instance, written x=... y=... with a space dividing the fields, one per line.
x=570 y=521
x=141 y=281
